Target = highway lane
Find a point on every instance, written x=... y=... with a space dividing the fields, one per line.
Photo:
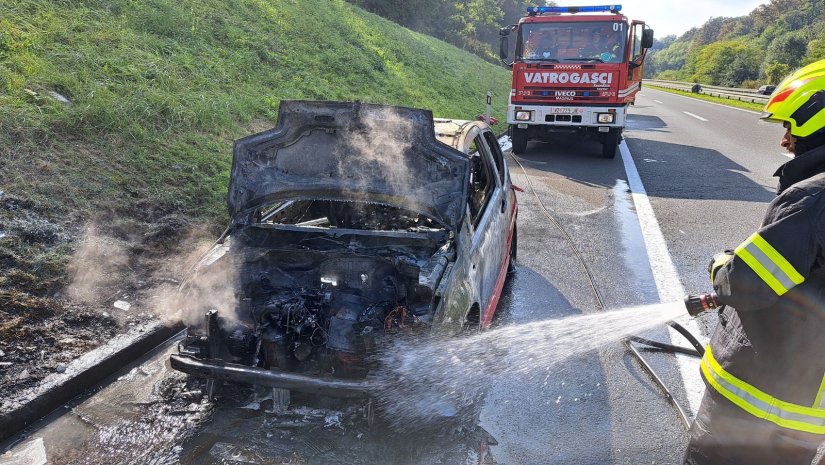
x=707 y=171
x=601 y=408
x=708 y=181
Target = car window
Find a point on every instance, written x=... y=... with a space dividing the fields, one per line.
x=636 y=47
x=482 y=181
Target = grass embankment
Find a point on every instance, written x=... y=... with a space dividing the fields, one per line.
x=724 y=101
x=157 y=91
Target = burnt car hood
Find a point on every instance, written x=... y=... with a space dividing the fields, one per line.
x=350 y=151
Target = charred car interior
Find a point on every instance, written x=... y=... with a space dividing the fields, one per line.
x=350 y=223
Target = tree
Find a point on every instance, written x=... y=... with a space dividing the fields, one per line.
x=670 y=58
x=709 y=32
x=727 y=63
x=775 y=72
x=664 y=42
x=816 y=49
x=410 y=13
x=780 y=34
x=470 y=24
x=788 y=48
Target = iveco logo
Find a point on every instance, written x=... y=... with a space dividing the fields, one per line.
x=565 y=93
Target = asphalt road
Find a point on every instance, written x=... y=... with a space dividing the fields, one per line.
x=707 y=173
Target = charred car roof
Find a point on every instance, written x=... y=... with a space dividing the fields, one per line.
x=350 y=151
x=457 y=133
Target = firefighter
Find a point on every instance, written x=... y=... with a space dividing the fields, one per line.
x=548 y=47
x=595 y=47
x=765 y=368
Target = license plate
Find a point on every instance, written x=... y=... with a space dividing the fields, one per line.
x=564 y=111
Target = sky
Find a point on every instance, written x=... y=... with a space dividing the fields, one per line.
x=667 y=17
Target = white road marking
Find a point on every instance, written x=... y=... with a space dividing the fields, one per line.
x=695 y=116
x=712 y=103
x=658 y=101
x=32 y=453
x=664 y=273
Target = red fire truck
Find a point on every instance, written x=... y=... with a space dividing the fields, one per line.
x=576 y=69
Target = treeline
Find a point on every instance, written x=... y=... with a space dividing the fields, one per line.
x=468 y=24
x=748 y=51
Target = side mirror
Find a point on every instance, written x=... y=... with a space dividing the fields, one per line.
x=647 y=38
x=504 y=44
x=504 y=47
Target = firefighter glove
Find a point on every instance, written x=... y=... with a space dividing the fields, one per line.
x=718 y=261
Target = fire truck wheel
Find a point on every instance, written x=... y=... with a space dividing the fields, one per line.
x=610 y=143
x=519 y=139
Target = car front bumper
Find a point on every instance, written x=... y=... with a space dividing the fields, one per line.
x=221 y=370
x=570 y=115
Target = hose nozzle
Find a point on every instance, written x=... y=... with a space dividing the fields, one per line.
x=697 y=304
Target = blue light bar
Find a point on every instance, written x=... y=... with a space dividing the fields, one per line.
x=538 y=10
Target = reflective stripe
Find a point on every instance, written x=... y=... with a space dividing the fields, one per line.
x=820 y=398
x=760 y=404
x=769 y=264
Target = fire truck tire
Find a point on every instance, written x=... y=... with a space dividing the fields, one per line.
x=610 y=143
x=519 y=139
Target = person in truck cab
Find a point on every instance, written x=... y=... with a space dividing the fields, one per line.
x=594 y=48
x=547 y=48
x=602 y=46
x=613 y=45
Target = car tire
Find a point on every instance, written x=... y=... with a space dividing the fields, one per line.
x=472 y=321
x=610 y=143
x=511 y=267
x=519 y=139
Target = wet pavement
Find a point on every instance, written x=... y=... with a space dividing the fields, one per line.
x=152 y=414
x=599 y=408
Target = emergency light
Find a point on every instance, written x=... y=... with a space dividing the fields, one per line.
x=538 y=10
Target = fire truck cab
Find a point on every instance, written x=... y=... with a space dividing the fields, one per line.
x=575 y=69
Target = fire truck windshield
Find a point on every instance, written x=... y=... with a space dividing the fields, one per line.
x=572 y=41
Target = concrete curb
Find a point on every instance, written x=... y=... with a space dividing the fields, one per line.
x=81 y=375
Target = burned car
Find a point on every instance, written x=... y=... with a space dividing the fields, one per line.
x=350 y=223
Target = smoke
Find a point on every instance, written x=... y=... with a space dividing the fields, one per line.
x=380 y=145
x=97 y=267
x=180 y=286
x=210 y=283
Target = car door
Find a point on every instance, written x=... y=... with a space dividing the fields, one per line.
x=490 y=214
x=636 y=52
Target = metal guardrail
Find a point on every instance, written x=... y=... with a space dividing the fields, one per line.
x=743 y=95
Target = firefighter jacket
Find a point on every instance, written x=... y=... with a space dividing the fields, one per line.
x=766 y=355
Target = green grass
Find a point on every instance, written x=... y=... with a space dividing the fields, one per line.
x=160 y=88
x=724 y=101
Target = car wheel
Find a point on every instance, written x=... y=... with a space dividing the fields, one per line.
x=519 y=140
x=610 y=143
x=472 y=322
x=511 y=267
